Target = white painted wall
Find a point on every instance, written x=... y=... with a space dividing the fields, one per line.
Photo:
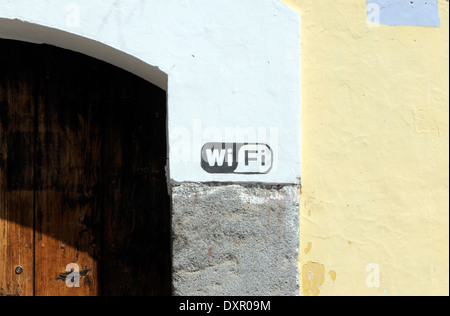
x=230 y=64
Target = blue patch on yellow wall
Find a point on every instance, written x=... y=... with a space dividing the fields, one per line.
x=404 y=12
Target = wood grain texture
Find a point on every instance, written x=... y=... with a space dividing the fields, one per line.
x=135 y=192
x=16 y=175
x=68 y=162
x=90 y=141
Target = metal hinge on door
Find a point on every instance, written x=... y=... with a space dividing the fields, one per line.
x=63 y=276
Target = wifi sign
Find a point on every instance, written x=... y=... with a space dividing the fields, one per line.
x=238 y=158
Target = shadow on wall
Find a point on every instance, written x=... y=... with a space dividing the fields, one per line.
x=82 y=176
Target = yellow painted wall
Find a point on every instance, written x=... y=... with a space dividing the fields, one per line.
x=375 y=153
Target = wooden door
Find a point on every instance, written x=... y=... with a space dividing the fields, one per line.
x=82 y=177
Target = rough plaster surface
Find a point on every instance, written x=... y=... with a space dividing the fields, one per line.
x=375 y=178
x=235 y=240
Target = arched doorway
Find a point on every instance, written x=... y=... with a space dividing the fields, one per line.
x=82 y=177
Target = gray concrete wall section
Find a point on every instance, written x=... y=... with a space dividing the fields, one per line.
x=235 y=240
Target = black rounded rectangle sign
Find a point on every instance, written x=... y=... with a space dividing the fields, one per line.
x=237 y=158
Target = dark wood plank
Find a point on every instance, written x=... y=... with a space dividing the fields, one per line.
x=68 y=157
x=16 y=172
x=136 y=257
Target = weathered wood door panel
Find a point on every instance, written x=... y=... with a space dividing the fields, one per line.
x=82 y=158
x=68 y=174
x=16 y=175
x=134 y=179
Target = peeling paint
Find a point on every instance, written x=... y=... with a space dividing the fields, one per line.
x=425 y=121
x=333 y=275
x=313 y=277
x=308 y=248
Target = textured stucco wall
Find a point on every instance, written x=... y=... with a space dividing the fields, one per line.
x=375 y=184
